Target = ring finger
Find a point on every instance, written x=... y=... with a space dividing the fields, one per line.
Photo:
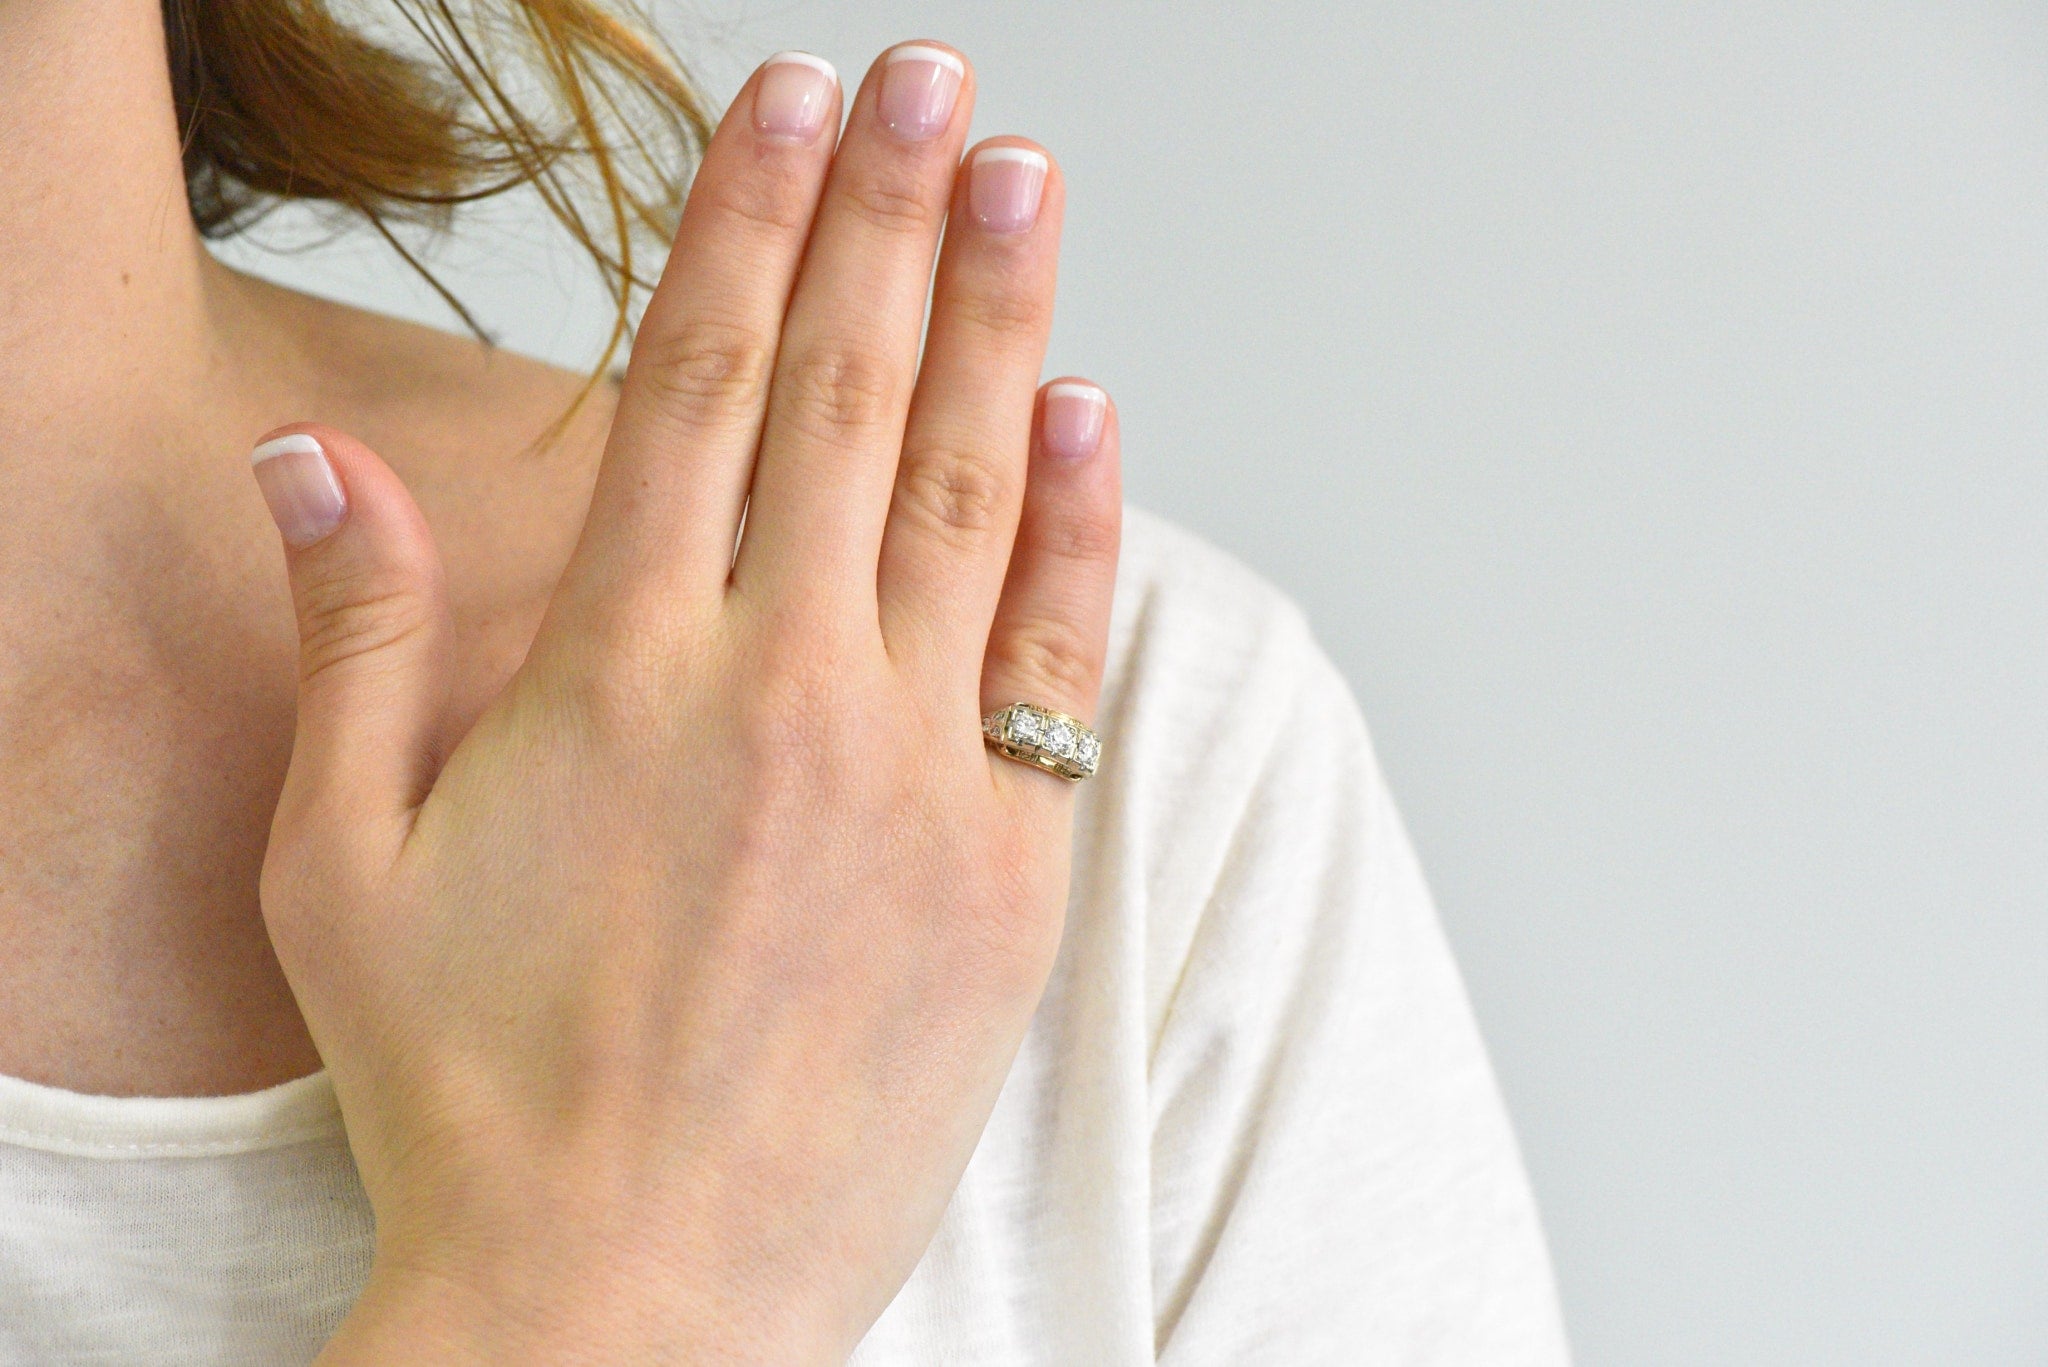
x=962 y=473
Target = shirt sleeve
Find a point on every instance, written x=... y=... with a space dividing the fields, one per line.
x=1335 y=1179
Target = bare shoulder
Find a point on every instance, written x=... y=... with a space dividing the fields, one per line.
x=477 y=432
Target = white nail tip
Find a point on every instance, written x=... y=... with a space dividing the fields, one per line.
x=1080 y=391
x=1023 y=154
x=806 y=59
x=914 y=52
x=292 y=444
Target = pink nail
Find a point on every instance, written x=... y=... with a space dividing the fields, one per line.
x=305 y=498
x=793 y=95
x=919 y=86
x=1074 y=414
x=1004 y=187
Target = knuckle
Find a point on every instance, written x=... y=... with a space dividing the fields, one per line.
x=798 y=722
x=623 y=688
x=353 y=615
x=318 y=874
x=894 y=200
x=1006 y=310
x=615 y=706
x=952 y=490
x=836 y=388
x=1089 y=534
x=1048 y=654
x=775 y=204
x=784 y=717
x=309 y=859
x=704 y=362
x=287 y=890
x=796 y=658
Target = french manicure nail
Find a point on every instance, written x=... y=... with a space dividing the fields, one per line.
x=305 y=498
x=1074 y=413
x=1004 y=187
x=919 y=86
x=793 y=96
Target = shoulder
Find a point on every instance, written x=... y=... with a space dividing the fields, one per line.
x=1237 y=769
x=1318 y=1096
x=422 y=390
x=499 y=449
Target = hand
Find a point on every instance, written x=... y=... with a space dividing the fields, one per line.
x=666 y=1008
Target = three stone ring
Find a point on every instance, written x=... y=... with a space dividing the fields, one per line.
x=1052 y=741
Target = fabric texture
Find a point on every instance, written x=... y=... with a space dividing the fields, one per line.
x=1252 y=1121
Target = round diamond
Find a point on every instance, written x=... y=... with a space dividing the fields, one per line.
x=1027 y=727
x=1060 y=739
x=1091 y=750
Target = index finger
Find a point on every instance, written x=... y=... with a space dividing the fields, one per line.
x=666 y=507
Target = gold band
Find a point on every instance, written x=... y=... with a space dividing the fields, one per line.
x=1052 y=741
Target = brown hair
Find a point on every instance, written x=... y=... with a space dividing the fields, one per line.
x=279 y=100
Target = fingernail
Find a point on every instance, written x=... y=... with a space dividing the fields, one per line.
x=793 y=96
x=919 y=85
x=1004 y=187
x=305 y=498
x=1074 y=413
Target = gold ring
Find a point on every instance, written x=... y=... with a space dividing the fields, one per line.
x=1053 y=741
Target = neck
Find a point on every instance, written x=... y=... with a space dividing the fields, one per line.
x=144 y=665
x=106 y=293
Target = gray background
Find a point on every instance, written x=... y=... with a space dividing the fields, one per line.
x=1647 y=404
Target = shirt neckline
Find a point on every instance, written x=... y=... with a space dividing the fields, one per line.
x=82 y=1125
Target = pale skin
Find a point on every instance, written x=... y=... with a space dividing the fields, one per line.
x=663 y=921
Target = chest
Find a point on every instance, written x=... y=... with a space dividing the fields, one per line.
x=143 y=742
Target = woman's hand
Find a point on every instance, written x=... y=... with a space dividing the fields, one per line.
x=666 y=1008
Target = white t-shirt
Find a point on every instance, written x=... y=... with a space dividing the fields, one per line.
x=1251 y=1123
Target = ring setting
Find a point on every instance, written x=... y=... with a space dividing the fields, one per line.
x=1052 y=741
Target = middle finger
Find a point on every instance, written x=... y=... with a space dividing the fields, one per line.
x=848 y=359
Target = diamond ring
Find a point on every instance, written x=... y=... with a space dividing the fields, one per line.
x=1054 y=741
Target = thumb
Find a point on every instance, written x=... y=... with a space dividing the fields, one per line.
x=375 y=636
